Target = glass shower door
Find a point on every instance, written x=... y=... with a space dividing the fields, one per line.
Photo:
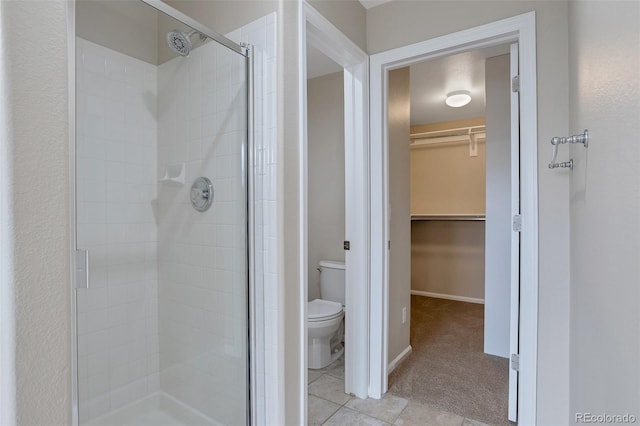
x=162 y=210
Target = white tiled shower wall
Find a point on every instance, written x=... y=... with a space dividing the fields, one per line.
x=202 y=104
x=118 y=354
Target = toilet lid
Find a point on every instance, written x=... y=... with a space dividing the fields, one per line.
x=323 y=309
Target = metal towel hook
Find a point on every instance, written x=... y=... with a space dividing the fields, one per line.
x=557 y=141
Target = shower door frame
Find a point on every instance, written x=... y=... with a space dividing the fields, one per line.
x=242 y=49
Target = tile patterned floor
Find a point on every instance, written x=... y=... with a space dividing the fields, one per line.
x=330 y=406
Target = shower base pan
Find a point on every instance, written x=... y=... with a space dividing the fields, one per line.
x=154 y=410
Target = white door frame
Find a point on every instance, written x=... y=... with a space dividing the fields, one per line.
x=514 y=284
x=324 y=36
x=520 y=29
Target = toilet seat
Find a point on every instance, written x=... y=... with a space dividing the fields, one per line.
x=323 y=310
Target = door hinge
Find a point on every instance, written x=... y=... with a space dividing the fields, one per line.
x=82 y=268
x=515 y=84
x=517 y=223
x=515 y=362
x=347 y=245
x=388 y=244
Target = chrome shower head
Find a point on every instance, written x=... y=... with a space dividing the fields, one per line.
x=180 y=42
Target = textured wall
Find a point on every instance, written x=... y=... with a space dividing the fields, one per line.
x=400 y=218
x=35 y=74
x=399 y=23
x=605 y=199
x=325 y=109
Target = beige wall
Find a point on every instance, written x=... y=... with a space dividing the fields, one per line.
x=129 y=27
x=224 y=16
x=605 y=200
x=325 y=129
x=35 y=218
x=399 y=201
x=446 y=180
x=349 y=16
x=447 y=257
x=424 y=20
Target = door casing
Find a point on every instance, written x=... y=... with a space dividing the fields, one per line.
x=317 y=31
x=518 y=29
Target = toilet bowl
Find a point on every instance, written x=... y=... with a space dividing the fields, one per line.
x=324 y=319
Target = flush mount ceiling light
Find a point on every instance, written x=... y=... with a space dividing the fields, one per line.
x=458 y=98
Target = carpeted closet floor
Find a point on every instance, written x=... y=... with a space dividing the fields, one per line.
x=447 y=367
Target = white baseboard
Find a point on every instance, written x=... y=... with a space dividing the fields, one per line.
x=448 y=296
x=397 y=360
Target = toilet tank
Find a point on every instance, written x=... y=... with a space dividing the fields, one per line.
x=332 y=281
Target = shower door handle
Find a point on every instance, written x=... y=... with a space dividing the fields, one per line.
x=82 y=268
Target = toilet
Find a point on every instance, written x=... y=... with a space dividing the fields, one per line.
x=325 y=315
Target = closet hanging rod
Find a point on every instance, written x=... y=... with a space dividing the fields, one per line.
x=448 y=217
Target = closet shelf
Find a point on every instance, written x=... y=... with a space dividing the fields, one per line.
x=445 y=217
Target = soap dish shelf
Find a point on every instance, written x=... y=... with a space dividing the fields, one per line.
x=174 y=174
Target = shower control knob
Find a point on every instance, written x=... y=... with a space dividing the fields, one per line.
x=202 y=194
x=197 y=194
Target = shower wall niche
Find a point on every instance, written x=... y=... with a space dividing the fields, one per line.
x=163 y=327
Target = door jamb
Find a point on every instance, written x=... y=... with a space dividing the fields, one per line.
x=521 y=29
x=329 y=40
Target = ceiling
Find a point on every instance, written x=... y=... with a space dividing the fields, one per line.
x=433 y=79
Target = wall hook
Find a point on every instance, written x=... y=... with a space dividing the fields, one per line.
x=556 y=141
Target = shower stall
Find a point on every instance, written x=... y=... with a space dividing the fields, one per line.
x=162 y=146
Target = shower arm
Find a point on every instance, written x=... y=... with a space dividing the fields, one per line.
x=192 y=32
